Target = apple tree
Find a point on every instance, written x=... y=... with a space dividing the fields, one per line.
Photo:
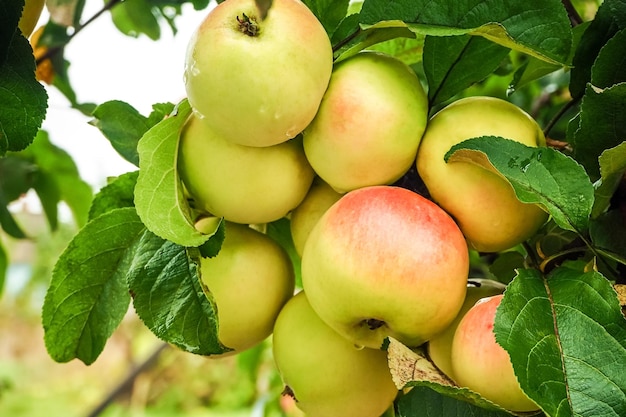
x=146 y=238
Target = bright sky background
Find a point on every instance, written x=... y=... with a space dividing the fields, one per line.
x=107 y=65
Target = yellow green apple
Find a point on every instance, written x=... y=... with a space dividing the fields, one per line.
x=258 y=82
x=318 y=199
x=385 y=261
x=370 y=122
x=481 y=364
x=440 y=346
x=326 y=374
x=483 y=203
x=243 y=184
x=251 y=278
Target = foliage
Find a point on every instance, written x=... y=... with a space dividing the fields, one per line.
x=560 y=319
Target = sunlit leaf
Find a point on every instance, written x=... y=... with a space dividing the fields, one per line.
x=88 y=297
x=566 y=337
x=537 y=174
x=612 y=169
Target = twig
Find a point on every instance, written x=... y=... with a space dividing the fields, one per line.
x=130 y=377
x=573 y=15
x=54 y=50
x=567 y=106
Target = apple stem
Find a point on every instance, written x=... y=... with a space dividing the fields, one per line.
x=248 y=25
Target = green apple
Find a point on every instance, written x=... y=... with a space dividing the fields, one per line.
x=30 y=16
x=327 y=374
x=385 y=261
x=319 y=198
x=440 y=346
x=243 y=184
x=258 y=82
x=483 y=204
x=370 y=122
x=251 y=278
x=481 y=364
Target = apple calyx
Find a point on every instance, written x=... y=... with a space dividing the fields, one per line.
x=289 y=392
x=248 y=25
x=374 y=324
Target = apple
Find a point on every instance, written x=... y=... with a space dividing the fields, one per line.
x=258 y=82
x=483 y=204
x=318 y=199
x=30 y=16
x=251 y=278
x=385 y=261
x=243 y=184
x=481 y=364
x=439 y=347
x=369 y=124
x=327 y=375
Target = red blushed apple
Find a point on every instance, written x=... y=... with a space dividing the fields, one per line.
x=385 y=261
x=481 y=364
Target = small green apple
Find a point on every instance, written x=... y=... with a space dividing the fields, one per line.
x=385 y=261
x=327 y=374
x=251 y=278
x=440 y=346
x=483 y=204
x=243 y=184
x=319 y=198
x=258 y=82
x=481 y=364
x=30 y=16
x=370 y=122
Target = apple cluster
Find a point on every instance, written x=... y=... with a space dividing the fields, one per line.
x=281 y=130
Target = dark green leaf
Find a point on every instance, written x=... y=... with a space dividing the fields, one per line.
x=134 y=17
x=424 y=401
x=24 y=100
x=7 y=222
x=608 y=231
x=453 y=63
x=566 y=337
x=504 y=266
x=604 y=26
x=538 y=175
x=88 y=297
x=612 y=169
x=159 y=196
x=10 y=12
x=211 y=247
x=602 y=125
x=123 y=126
x=17 y=176
x=116 y=194
x=608 y=69
x=169 y=297
x=347 y=29
x=4 y=265
x=537 y=27
x=329 y=12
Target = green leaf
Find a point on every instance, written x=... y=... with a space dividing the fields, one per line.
x=602 y=126
x=10 y=12
x=538 y=175
x=539 y=28
x=58 y=179
x=168 y=295
x=17 y=176
x=7 y=222
x=407 y=50
x=566 y=337
x=604 y=26
x=123 y=126
x=607 y=233
x=88 y=297
x=329 y=12
x=134 y=17
x=372 y=35
x=159 y=196
x=453 y=63
x=424 y=401
x=117 y=193
x=608 y=69
x=612 y=169
x=280 y=231
x=24 y=100
x=4 y=265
